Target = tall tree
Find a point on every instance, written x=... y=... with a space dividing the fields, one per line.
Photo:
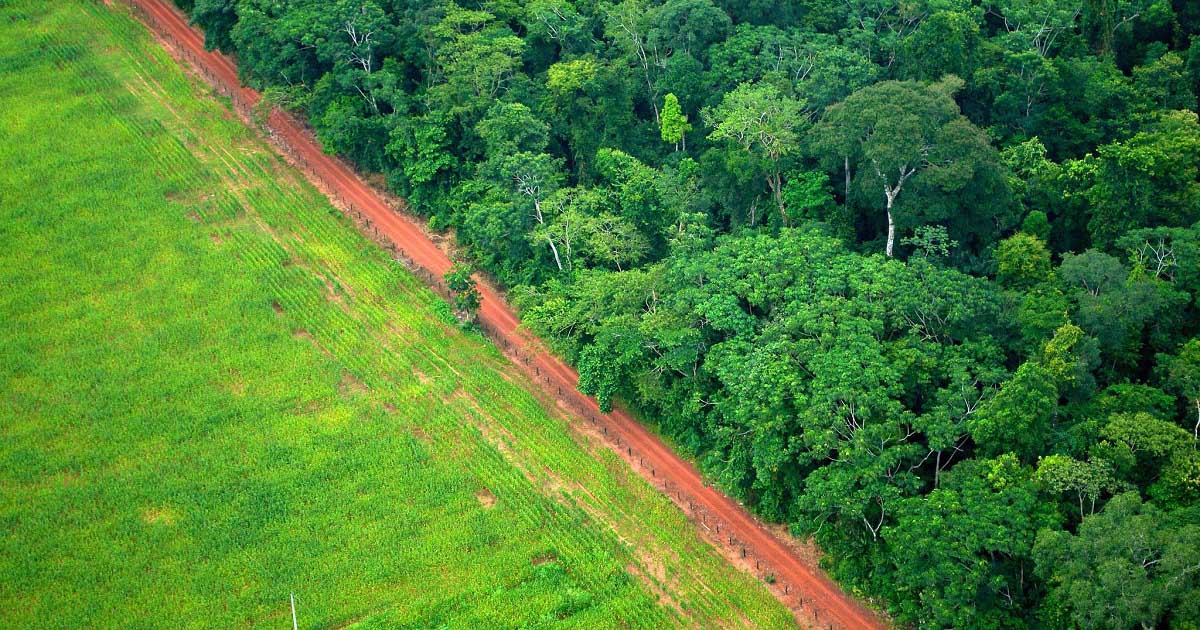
x=675 y=126
x=557 y=21
x=763 y=123
x=898 y=131
x=628 y=25
x=217 y=18
x=475 y=59
x=588 y=106
x=814 y=66
x=686 y=26
x=1102 y=19
x=1021 y=416
x=1119 y=307
x=946 y=42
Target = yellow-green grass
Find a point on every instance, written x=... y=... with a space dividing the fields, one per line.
x=214 y=392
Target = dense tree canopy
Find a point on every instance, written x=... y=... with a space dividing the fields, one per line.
x=918 y=279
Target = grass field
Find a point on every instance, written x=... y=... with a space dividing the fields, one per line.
x=214 y=392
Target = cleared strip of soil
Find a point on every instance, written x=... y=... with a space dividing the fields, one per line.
x=748 y=543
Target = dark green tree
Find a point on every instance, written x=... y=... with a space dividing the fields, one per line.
x=1182 y=375
x=1128 y=566
x=894 y=132
x=961 y=553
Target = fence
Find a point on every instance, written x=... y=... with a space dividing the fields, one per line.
x=718 y=530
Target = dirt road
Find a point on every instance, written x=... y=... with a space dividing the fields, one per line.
x=742 y=538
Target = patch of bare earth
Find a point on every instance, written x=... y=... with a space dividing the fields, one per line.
x=486 y=498
x=351 y=384
x=236 y=384
x=174 y=196
x=301 y=333
x=660 y=593
x=806 y=549
x=421 y=377
x=160 y=515
x=421 y=435
x=543 y=559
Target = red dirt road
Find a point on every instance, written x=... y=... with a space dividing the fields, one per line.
x=803 y=588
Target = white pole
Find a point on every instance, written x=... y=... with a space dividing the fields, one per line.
x=294 y=627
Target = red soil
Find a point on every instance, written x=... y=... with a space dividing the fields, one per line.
x=802 y=587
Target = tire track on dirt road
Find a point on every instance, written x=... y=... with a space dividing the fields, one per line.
x=743 y=539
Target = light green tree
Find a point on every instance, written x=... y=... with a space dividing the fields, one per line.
x=466 y=294
x=1022 y=261
x=675 y=125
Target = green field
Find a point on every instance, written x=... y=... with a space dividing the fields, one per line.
x=214 y=392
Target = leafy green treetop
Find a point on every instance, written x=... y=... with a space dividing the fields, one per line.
x=1022 y=261
x=765 y=123
x=898 y=130
x=1036 y=224
x=1128 y=566
x=963 y=550
x=675 y=124
x=462 y=286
